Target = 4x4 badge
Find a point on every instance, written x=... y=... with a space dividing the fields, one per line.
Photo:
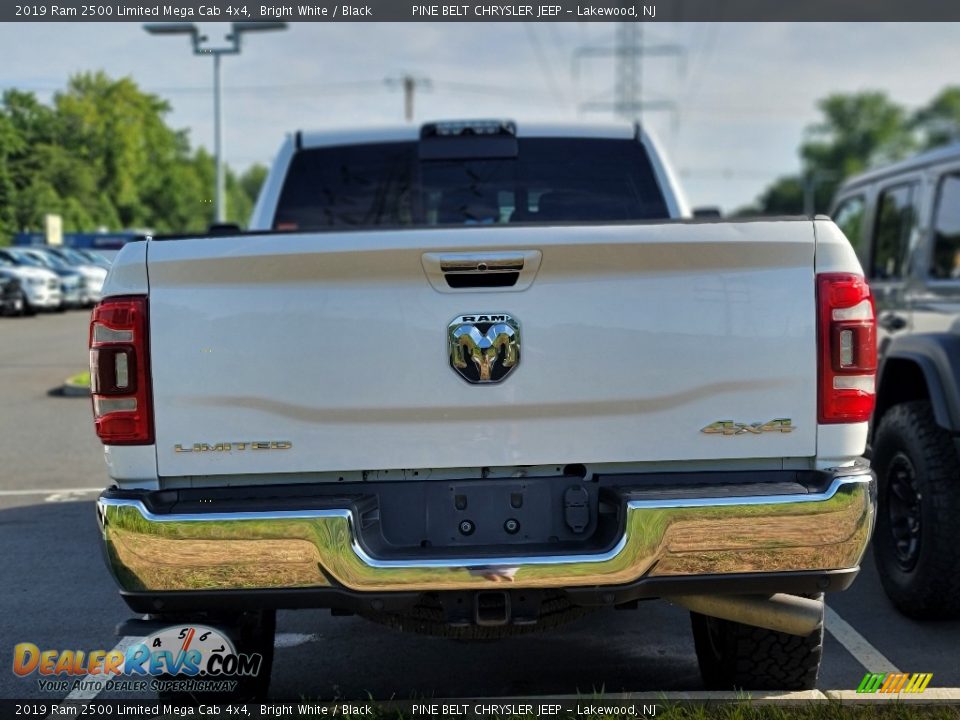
x=729 y=427
x=483 y=348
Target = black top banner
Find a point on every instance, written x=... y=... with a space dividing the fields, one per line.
x=500 y=11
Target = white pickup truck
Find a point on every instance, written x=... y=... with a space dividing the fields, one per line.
x=475 y=378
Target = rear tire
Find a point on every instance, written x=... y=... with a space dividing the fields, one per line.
x=256 y=632
x=734 y=656
x=916 y=544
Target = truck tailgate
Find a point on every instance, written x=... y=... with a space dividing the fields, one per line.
x=634 y=338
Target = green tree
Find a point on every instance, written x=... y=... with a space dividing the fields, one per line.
x=857 y=130
x=31 y=128
x=252 y=180
x=242 y=192
x=102 y=155
x=120 y=132
x=10 y=143
x=938 y=122
x=783 y=197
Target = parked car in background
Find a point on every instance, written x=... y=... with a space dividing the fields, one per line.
x=41 y=286
x=93 y=274
x=904 y=222
x=72 y=281
x=94 y=258
x=11 y=294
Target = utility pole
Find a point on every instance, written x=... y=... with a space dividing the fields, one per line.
x=628 y=53
x=220 y=202
x=409 y=84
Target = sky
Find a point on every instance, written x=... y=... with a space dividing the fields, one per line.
x=743 y=92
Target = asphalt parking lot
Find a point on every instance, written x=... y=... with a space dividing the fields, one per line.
x=57 y=593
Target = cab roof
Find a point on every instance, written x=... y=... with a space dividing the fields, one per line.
x=917 y=162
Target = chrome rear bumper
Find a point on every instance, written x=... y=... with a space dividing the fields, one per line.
x=673 y=537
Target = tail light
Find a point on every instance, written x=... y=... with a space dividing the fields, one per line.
x=119 y=372
x=848 y=348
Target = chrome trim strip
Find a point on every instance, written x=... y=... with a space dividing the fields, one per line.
x=357 y=548
x=504 y=562
x=218 y=517
x=309 y=548
x=835 y=485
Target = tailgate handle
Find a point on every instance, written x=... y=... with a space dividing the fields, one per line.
x=506 y=270
x=490 y=270
x=490 y=262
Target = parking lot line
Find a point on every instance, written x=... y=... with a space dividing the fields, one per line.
x=288 y=640
x=856 y=644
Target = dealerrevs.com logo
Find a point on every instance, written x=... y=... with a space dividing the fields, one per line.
x=183 y=658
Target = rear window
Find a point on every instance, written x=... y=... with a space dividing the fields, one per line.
x=551 y=180
x=896 y=220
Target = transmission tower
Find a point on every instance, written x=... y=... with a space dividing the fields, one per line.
x=628 y=53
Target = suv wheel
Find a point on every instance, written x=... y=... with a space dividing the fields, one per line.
x=733 y=656
x=916 y=544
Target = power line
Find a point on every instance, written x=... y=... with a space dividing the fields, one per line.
x=746 y=109
x=307 y=90
x=475 y=88
x=713 y=31
x=544 y=65
x=350 y=86
x=326 y=88
x=556 y=40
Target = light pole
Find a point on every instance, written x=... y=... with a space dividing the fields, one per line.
x=197 y=39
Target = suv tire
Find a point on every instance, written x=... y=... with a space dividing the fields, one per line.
x=733 y=656
x=916 y=544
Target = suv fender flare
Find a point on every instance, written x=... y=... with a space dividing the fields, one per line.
x=934 y=359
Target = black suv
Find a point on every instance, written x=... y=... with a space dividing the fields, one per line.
x=904 y=222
